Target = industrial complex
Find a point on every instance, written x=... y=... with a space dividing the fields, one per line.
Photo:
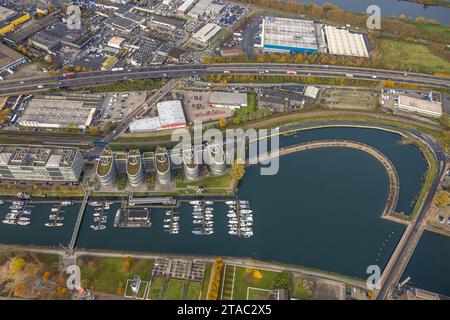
x=306 y=36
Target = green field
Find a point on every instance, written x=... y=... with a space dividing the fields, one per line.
x=208 y=182
x=245 y=279
x=299 y=291
x=255 y=294
x=194 y=290
x=174 y=289
x=206 y=280
x=440 y=31
x=156 y=288
x=410 y=56
x=227 y=289
x=107 y=274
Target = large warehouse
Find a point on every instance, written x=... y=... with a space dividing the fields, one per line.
x=206 y=33
x=343 y=42
x=292 y=35
x=9 y=58
x=170 y=115
x=58 y=112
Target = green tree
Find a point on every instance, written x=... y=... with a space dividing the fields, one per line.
x=282 y=280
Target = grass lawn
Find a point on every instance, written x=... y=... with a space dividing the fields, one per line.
x=107 y=274
x=208 y=182
x=175 y=289
x=156 y=288
x=409 y=55
x=227 y=289
x=245 y=278
x=299 y=291
x=255 y=294
x=251 y=105
x=441 y=31
x=206 y=278
x=194 y=290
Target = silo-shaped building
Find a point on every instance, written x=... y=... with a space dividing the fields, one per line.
x=190 y=163
x=215 y=157
x=106 y=169
x=135 y=169
x=162 y=164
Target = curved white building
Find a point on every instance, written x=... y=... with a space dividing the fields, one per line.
x=106 y=169
x=135 y=170
x=215 y=158
x=162 y=164
x=190 y=163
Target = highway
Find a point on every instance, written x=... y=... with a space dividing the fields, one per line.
x=86 y=79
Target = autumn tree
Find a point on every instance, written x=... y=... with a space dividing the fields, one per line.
x=223 y=123
x=126 y=264
x=237 y=171
x=16 y=265
x=444 y=119
x=442 y=199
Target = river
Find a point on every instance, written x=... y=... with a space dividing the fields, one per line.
x=391 y=8
x=322 y=210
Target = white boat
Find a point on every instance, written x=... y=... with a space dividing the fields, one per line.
x=52 y=224
x=168 y=213
x=11 y=215
x=208 y=215
x=9 y=221
x=26 y=211
x=174 y=231
x=176 y=218
x=208 y=232
x=16 y=207
x=166 y=220
x=230 y=202
x=54 y=210
x=24 y=219
x=95 y=203
x=108 y=203
x=195 y=202
x=98 y=227
x=23 y=223
x=245 y=211
x=231 y=215
x=244 y=202
x=197 y=221
x=244 y=229
x=66 y=203
x=232 y=222
x=18 y=203
x=106 y=207
x=232 y=232
x=2 y=202
x=209 y=202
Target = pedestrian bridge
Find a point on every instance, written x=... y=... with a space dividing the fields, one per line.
x=394 y=181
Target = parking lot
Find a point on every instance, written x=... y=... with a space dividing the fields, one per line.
x=117 y=105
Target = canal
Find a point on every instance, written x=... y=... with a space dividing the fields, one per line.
x=322 y=210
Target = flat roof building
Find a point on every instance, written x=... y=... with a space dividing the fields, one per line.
x=343 y=42
x=229 y=100
x=170 y=115
x=55 y=112
x=185 y=6
x=40 y=163
x=9 y=58
x=207 y=32
x=422 y=106
x=291 y=35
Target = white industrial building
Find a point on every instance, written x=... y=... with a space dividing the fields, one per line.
x=422 y=106
x=230 y=100
x=206 y=33
x=185 y=7
x=205 y=7
x=343 y=42
x=170 y=115
x=288 y=35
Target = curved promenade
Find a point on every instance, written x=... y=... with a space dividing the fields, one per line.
x=394 y=181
